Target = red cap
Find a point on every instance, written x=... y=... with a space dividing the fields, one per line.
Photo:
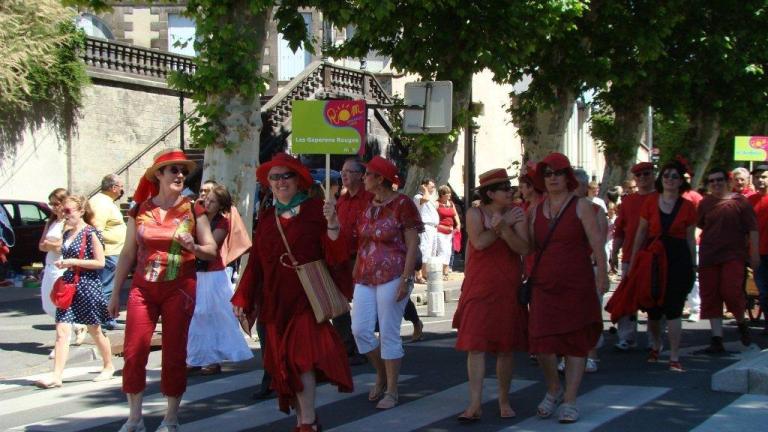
x=555 y=161
x=288 y=161
x=642 y=166
x=383 y=167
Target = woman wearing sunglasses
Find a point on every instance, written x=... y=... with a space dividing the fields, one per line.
x=489 y=318
x=298 y=351
x=165 y=235
x=82 y=254
x=671 y=217
x=729 y=240
x=565 y=315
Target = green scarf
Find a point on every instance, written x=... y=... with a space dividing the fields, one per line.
x=295 y=201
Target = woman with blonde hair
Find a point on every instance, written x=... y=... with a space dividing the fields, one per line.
x=82 y=253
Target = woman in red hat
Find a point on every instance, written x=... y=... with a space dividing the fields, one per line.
x=298 y=352
x=387 y=255
x=489 y=318
x=165 y=235
x=565 y=316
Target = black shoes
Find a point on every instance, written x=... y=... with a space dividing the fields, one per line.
x=744 y=337
x=264 y=393
x=715 y=346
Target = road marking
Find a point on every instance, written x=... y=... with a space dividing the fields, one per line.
x=596 y=408
x=739 y=416
x=153 y=403
x=426 y=410
x=26 y=381
x=262 y=413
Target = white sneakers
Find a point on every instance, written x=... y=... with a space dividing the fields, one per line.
x=591 y=366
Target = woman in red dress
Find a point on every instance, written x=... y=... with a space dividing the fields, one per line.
x=565 y=316
x=298 y=352
x=448 y=227
x=489 y=318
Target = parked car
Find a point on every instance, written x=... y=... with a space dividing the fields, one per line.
x=28 y=220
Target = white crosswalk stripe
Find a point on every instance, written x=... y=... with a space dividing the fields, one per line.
x=419 y=413
x=741 y=415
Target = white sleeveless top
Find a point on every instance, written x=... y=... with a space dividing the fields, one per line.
x=55 y=232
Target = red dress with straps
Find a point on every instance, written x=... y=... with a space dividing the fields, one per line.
x=488 y=317
x=565 y=310
x=295 y=343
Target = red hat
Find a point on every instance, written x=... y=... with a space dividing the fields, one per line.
x=148 y=187
x=384 y=168
x=555 y=162
x=288 y=161
x=494 y=176
x=641 y=166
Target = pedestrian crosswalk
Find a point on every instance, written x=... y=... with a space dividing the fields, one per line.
x=222 y=404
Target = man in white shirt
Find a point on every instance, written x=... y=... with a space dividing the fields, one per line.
x=425 y=201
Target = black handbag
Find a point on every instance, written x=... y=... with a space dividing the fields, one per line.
x=524 y=292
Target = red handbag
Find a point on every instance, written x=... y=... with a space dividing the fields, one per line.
x=63 y=292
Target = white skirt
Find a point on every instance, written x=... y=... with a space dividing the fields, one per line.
x=444 y=247
x=50 y=274
x=214 y=333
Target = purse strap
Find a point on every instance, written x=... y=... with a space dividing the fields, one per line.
x=83 y=243
x=285 y=242
x=549 y=236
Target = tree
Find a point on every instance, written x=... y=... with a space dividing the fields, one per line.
x=41 y=76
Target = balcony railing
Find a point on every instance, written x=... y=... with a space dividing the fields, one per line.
x=129 y=59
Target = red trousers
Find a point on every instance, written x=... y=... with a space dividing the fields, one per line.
x=722 y=283
x=175 y=301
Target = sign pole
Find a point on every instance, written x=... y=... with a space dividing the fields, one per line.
x=327 y=176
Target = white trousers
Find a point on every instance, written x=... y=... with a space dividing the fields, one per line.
x=427 y=244
x=378 y=302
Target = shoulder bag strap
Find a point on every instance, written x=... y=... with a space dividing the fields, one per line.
x=549 y=236
x=285 y=242
x=672 y=215
x=83 y=243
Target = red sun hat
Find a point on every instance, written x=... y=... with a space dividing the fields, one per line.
x=288 y=161
x=384 y=168
x=555 y=162
x=641 y=166
x=148 y=185
x=494 y=176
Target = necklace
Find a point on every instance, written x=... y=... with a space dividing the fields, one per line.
x=553 y=218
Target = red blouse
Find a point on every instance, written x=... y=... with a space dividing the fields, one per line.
x=159 y=257
x=219 y=222
x=685 y=217
x=381 y=240
x=446 y=214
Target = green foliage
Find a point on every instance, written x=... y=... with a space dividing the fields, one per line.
x=41 y=75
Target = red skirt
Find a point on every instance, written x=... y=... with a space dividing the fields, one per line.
x=577 y=343
x=304 y=346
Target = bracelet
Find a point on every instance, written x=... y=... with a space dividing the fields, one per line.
x=336 y=228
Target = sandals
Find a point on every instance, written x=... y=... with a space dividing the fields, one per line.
x=213 y=369
x=568 y=413
x=376 y=392
x=548 y=405
x=388 y=401
x=133 y=427
x=653 y=356
x=420 y=280
x=675 y=366
x=469 y=418
x=507 y=413
x=168 y=427
x=104 y=375
x=46 y=385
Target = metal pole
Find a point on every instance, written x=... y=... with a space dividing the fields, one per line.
x=650 y=133
x=181 y=121
x=469 y=159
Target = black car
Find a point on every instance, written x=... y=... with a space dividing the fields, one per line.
x=28 y=220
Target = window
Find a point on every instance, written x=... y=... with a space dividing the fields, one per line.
x=181 y=32
x=31 y=215
x=93 y=26
x=289 y=63
x=11 y=210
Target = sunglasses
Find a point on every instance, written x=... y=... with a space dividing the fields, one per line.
x=282 y=176
x=643 y=174
x=716 y=180
x=671 y=176
x=559 y=173
x=69 y=210
x=370 y=173
x=175 y=170
x=350 y=171
x=54 y=204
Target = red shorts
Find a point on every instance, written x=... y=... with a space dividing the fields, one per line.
x=722 y=283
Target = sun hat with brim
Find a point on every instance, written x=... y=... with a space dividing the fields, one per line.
x=556 y=162
x=384 y=168
x=641 y=166
x=168 y=157
x=494 y=176
x=288 y=161
x=759 y=168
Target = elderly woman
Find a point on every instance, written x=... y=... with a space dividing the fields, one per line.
x=671 y=217
x=489 y=318
x=565 y=316
x=82 y=256
x=741 y=183
x=166 y=232
x=388 y=245
x=449 y=224
x=299 y=352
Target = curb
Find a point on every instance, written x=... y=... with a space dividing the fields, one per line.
x=749 y=375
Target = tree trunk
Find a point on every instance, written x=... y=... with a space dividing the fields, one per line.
x=440 y=168
x=235 y=166
x=543 y=132
x=619 y=156
x=702 y=137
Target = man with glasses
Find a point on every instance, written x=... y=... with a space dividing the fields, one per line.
x=729 y=239
x=108 y=219
x=627 y=221
x=349 y=208
x=759 y=202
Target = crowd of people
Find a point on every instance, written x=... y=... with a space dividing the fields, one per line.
x=376 y=243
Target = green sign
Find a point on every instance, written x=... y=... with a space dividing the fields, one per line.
x=750 y=148
x=328 y=127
